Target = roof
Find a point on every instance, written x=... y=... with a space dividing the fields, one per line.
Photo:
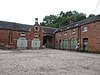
x=48 y=30
x=22 y=27
x=14 y=26
x=80 y=23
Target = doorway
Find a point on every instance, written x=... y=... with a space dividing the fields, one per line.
x=85 y=44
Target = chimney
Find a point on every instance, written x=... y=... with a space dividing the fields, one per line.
x=71 y=22
x=36 y=20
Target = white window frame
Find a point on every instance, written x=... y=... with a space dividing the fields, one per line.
x=36 y=35
x=73 y=31
x=22 y=34
x=66 y=32
x=85 y=29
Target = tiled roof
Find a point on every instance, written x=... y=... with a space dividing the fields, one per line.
x=80 y=23
x=48 y=30
x=22 y=27
x=14 y=26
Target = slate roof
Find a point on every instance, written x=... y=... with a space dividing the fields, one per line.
x=80 y=23
x=48 y=30
x=14 y=26
x=22 y=27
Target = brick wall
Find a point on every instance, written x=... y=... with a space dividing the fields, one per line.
x=4 y=35
x=93 y=35
x=9 y=37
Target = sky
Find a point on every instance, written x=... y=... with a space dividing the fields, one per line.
x=25 y=11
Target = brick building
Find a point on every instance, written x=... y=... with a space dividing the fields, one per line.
x=15 y=35
x=85 y=34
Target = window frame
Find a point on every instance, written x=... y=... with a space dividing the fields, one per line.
x=85 y=29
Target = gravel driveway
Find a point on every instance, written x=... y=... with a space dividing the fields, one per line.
x=48 y=62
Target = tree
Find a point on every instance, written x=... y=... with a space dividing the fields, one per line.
x=63 y=18
x=91 y=15
x=48 y=20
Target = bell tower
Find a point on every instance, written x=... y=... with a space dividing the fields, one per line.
x=36 y=20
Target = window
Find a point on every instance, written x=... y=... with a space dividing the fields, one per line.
x=36 y=28
x=73 y=31
x=22 y=33
x=60 y=34
x=76 y=25
x=65 y=32
x=67 y=27
x=36 y=35
x=85 y=29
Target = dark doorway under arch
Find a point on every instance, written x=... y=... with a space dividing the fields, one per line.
x=48 y=41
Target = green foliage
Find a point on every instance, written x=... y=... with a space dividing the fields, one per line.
x=91 y=15
x=63 y=18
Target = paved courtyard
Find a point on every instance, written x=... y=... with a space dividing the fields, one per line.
x=48 y=62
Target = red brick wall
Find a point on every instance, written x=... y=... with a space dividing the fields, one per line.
x=57 y=38
x=4 y=34
x=67 y=35
x=32 y=32
x=93 y=35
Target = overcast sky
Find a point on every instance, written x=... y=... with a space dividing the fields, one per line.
x=25 y=11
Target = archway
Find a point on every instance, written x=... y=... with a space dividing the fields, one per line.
x=48 y=41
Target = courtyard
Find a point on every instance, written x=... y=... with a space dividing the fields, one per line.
x=48 y=62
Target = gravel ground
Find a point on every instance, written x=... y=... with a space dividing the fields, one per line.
x=48 y=62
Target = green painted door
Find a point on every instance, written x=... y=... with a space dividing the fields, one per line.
x=35 y=43
x=61 y=43
x=73 y=43
x=65 y=43
x=22 y=42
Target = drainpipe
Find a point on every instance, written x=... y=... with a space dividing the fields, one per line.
x=79 y=37
x=54 y=41
x=10 y=37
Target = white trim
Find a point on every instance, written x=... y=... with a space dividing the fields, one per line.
x=85 y=29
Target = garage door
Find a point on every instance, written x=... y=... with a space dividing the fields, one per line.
x=73 y=43
x=65 y=43
x=35 y=43
x=22 y=43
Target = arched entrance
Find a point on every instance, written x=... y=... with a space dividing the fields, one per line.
x=48 y=41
